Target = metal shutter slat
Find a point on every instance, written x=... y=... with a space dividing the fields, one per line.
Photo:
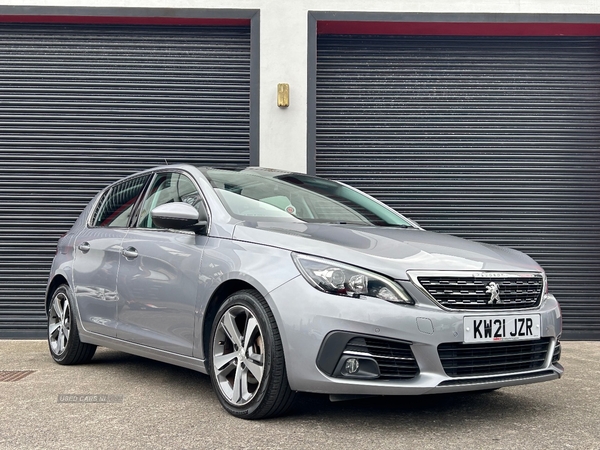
x=83 y=105
x=488 y=138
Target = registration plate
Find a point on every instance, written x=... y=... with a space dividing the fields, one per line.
x=501 y=328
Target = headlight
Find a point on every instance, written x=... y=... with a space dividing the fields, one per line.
x=340 y=279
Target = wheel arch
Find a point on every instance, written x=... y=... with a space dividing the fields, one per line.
x=216 y=300
x=57 y=281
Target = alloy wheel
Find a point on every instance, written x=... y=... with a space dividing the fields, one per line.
x=238 y=355
x=59 y=323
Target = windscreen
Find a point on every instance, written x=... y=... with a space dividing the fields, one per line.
x=260 y=194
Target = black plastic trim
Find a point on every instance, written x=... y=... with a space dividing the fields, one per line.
x=334 y=345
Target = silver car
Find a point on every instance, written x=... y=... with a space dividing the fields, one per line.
x=274 y=283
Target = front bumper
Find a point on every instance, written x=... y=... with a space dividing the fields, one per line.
x=306 y=317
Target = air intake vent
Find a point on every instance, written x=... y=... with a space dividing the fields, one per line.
x=464 y=360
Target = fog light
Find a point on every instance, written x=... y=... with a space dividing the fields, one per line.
x=352 y=365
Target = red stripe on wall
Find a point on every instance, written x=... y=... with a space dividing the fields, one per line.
x=124 y=20
x=458 y=28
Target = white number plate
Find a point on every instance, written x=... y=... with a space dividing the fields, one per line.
x=501 y=328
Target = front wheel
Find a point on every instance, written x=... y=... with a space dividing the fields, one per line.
x=63 y=336
x=246 y=362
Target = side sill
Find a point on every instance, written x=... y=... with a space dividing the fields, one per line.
x=146 y=352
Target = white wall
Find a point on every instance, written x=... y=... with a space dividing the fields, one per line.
x=283 y=50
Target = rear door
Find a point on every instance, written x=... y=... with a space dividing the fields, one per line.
x=98 y=254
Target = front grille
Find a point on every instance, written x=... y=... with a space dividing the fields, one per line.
x=476 y=292
x=463 y=360
x=395 y=359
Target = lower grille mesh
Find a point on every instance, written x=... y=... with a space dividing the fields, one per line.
x=556 y=354
x=460 y=359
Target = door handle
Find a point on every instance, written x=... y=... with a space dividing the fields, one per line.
x=84 y=247
x=129 y=253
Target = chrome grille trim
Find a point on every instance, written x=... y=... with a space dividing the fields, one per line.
x=467 y=290
x=394 y=358
x=369 y=355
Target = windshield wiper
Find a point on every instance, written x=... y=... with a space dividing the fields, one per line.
x=340 y=222
x=360 y=224
x=396 y=225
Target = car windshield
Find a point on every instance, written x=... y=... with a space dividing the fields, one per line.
x=254 y=194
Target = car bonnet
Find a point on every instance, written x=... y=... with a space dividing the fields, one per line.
x=390 y=251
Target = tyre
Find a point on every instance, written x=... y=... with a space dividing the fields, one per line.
x=246 y=362
x=63 y=336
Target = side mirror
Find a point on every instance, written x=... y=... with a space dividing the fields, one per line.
x=177 y=216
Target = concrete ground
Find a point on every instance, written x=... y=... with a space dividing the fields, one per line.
x=150 y=404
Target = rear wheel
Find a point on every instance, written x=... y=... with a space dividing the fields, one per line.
x=247 y=366
x=63 y=336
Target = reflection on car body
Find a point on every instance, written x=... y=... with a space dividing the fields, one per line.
x=273 y=283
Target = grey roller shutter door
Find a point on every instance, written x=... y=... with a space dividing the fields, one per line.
x=492 y=139
x=83 y=105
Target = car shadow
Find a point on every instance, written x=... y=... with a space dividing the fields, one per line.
x=427 y=412
x=147 y=370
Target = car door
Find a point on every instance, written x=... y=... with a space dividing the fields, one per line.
x=158 y=273
x=98 y=254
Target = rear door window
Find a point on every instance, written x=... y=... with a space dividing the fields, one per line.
x=118 y=203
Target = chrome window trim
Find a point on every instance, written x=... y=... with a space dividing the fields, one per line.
x=105 y=191
x=152 y=177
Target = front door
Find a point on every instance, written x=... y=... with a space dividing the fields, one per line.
x=158 y=273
